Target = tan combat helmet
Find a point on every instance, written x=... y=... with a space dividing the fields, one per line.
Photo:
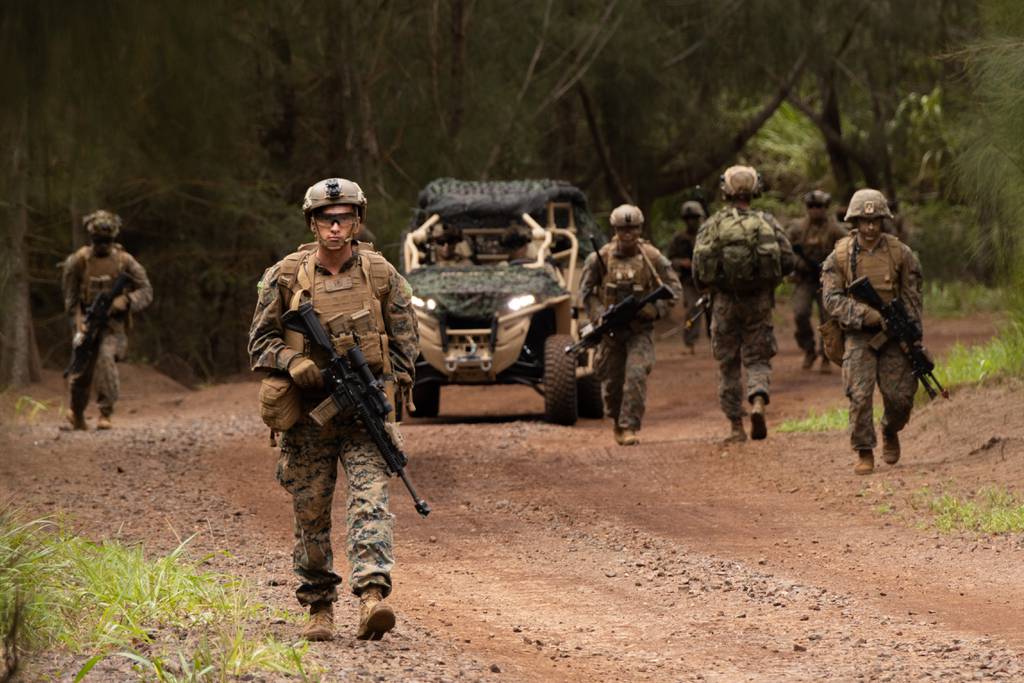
x=868 y=204
x=334 y=191
x=102 y=224
x=817 y=198
x=692 y=209
x=740 y=181
x=626 y=215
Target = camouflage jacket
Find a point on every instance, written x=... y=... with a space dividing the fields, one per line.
x=816 y=240
x=593 y=276
x=140 y=291
x=267 y=350
x=836 y=277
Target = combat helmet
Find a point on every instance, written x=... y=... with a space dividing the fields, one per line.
x=332 y=192
x=738 y=181
x=626 y=215
x=817 y=198
x=868 y=203
x=102 y=224
x=692 y=209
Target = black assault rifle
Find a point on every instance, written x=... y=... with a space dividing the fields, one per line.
x=353 y=387
x=616 y=318
x=898 y=325
x=815 y=266
x=85 y=344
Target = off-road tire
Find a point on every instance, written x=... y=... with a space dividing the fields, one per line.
x=427 y=398
x=559 y=381
x=588 y=394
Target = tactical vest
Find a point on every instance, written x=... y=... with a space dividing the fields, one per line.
x=883 y=267
x=816 y=239
x=348 y=304
x=100 y=272
x=627 y=275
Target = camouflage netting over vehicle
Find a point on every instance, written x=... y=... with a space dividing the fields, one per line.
x=489 y=204
x=480 y=291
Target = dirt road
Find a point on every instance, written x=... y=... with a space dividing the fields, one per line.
x=552 y=554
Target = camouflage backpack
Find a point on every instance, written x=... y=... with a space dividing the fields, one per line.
x=738 y=251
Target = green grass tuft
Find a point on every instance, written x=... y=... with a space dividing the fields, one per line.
x=108 y=599
x=1003 y=356
x=991 y=510
x=832 y=420
x=958 y=298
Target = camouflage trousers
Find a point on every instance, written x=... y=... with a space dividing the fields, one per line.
x=805 y=295
x=101 y=370
x=863 y=368
x=623 y=364
x=308 y=470
x=742 y=336
x=690 y=297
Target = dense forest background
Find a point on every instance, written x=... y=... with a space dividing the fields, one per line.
x=203 y=123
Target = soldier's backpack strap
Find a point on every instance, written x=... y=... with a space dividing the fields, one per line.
x=293 y=280
x=645 y=251
x=844 y=253
x=895 y=261
x=377 y=271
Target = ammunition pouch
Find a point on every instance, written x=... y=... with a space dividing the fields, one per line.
x=834 y=340
x=280 y=403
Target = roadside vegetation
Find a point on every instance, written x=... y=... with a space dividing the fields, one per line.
x=164 y=617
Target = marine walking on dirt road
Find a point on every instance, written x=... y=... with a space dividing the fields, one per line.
x=680 y=254
x=626 y=266
x=361 y=300
x=869 y=356
x=104 y=275
x=741 y=255
x=813 y=238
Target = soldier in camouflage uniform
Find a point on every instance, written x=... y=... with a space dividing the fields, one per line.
x=626 y=265
x=741 y=254
x=869 y=357
x=90 y=271
x=813 y=237
x=680 y=254
x=360 y=298
x=445 y=245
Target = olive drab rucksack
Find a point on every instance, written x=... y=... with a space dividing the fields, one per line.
x=738 y=251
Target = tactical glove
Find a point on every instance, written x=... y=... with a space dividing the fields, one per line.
x=648 y=312
x=872 y=319
x=120 y=303
x=305 y=373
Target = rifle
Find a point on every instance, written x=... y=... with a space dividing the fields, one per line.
x=798 y=249
x=352 y=385
x=700 y=308
x=898 y=325
x=615 y=318
x=85 y=344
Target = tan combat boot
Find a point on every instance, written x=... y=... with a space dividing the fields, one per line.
x=737 y=435
x=77 y=420
x=758 y=427
x=865 y=462
x=321 y=622
x=809 y=358
x=103 y=422
x=627 y=437
x=890 y=448
x=375 y=617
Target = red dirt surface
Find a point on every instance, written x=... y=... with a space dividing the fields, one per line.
x=553 y=554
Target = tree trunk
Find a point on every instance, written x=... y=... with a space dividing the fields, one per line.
x=617 y=190
x=20 y=363
x=458 y=68
x=837 y=155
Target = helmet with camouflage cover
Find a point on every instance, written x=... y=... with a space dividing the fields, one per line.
x=817 y=198
x=332 y=192
x=868 y=203
x=626 y=215
x=102 y=224
x=740 y=181
x=692 y=209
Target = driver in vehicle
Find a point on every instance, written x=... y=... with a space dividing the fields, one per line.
x=445 y=245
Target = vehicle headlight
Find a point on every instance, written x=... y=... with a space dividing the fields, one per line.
x=518 y=303
x=429 y=304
